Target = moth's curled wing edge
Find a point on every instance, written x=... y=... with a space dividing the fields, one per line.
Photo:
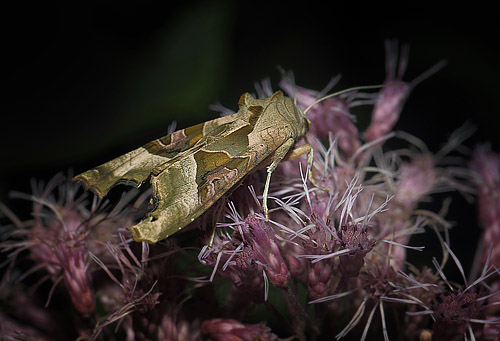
x=90 y=181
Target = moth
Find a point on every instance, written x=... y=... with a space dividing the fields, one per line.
x=191 y=169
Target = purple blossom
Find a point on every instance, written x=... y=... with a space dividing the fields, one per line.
x=58 y=241
x=486 y=176
x=229 y=329
x=452 y=310
x=355 y=239
x=392 y=97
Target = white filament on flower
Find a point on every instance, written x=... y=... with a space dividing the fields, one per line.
x=331 y=297
x=354 y=321
x=416 y=248
x=266 y=285
x=317 y=258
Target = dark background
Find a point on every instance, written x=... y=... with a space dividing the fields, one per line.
x=86 y=82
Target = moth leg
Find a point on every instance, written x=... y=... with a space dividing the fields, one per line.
x=278 y=155
x=307 y=149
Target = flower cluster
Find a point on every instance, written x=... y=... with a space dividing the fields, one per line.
x=332 y=261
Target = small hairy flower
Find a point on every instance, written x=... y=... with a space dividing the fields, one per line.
x=485 y=165
x=73 y=258
x=392 y=97
x=320 y=278
x=379 y=280
x=319 y=243
x=453 y=310
x=266 y=249
x=461 y=312
x=228 y=329
x=250 y=256
x=425 y=285
x=58 y=240
x=62 y=234
x=415 y=180
x=230 y=256
x=354 y=237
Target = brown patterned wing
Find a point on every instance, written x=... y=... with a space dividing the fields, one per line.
x=135 y=167
x=185 y=188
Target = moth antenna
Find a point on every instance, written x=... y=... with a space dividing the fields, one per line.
x=356 y=88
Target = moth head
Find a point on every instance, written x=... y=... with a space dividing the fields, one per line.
x=305 y=124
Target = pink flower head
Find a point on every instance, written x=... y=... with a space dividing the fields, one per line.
x=232 y=257
x=486 y=167
x=58 y=240
x=415 y=180
x=354 y=237
x=228 y=329
x=72 y=255
x=392 y=97
x=266 y=249
x=453 y=310
x=62 y=233
x=249 y=257
x=379 y=280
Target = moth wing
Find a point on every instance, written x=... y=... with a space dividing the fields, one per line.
x=189 y=186
x=135 y=167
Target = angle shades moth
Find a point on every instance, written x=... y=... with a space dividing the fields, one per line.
x=190 y=169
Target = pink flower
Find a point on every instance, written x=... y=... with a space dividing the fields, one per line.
x=354 y=237
x=392 y=97
x=250 y=256
x=231 y=330
x=267 y=251
x=415 y=180
x=58 y=240
x=63 y=232
x=486 y=167
x=453 y=310
x=232 y=257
